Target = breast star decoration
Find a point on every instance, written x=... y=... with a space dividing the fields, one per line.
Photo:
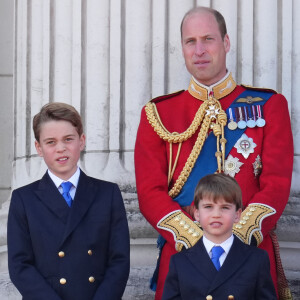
x=232 y=165
x=245 y=145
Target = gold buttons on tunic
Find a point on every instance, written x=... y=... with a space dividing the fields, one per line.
x=61 y=253
x=62 y=281
x=91 y=279
x=90 y=252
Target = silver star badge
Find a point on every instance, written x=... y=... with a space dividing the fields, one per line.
x=232 y=165
x=245 y=145
x=212 y=111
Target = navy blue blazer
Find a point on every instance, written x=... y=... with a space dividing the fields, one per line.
x=61 y=253
x=245 y=274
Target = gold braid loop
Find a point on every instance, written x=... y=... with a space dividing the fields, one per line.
x=222 y=118
x=154 y=120
x=217 y=129
x=217 y=124
x=192 y=157
x=215 y=118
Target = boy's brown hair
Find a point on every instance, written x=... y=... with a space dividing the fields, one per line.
x=56 y=111
x=216 y=186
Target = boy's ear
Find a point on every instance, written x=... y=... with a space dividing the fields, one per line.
x=196 y=215
x=82 y=142
x=238 y=215
x=38 y=148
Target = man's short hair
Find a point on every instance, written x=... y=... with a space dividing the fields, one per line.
x=56 y=111
x=218 y=16
x=217 y=186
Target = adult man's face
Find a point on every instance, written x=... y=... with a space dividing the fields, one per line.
x=203 y=48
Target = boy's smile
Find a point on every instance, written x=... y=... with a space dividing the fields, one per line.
x=60 y=146
x=217 y=218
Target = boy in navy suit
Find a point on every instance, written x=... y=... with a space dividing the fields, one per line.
x=68 y=235
x=219 y=264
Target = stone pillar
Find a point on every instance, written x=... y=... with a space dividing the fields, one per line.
x=108 y=58
x=6 y=132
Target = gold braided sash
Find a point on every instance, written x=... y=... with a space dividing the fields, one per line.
x=215 y=119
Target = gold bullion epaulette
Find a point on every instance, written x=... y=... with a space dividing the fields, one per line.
x=260 y=89
x=164 y=97
x=250 y=222
x=186 y=232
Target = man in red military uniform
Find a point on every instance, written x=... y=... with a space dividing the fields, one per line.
x=213 y=126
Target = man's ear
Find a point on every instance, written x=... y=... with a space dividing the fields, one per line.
x=226 y=43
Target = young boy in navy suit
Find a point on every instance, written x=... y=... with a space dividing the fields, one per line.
x=219 y=264
x=68 y=235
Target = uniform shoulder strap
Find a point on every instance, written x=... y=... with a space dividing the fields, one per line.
x=259 y=89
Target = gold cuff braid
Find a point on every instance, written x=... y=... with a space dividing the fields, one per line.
x=185 y=231
x=250 y=222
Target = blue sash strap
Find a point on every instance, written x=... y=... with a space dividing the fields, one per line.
x=206 y=162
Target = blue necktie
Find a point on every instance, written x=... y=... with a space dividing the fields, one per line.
x=216 y=253
x=66 y=186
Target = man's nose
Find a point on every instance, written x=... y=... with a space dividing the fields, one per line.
x=200 y=48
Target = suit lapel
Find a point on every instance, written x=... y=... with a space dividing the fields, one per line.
x=201 y=261
x=84 y=196
x=50 y=196
x=236 y=257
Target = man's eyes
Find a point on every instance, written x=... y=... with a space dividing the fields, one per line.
x=189 y=41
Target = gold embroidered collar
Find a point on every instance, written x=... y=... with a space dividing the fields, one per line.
x=219 y=89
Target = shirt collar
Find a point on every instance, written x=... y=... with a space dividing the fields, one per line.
x=226 y=245
x=58 y=181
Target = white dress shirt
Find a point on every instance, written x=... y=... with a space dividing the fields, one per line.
x=74 y=180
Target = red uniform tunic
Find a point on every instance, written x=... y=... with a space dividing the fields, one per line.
x=271 y=188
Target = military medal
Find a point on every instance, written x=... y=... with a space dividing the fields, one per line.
x=212 y=112
x=257 y=166
x=245 y=145
x=232 y=125
x=260 y=122
x=232 y=165
x=249 y=116
x=241 y=123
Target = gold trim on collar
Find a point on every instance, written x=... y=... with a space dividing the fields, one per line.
x=219 y=90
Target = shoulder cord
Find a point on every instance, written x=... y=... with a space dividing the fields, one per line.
x=215 y=119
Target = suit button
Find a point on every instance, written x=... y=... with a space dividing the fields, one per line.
x=62 y=281
x=90 y=252
x=61 y=254
x=91 y=279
